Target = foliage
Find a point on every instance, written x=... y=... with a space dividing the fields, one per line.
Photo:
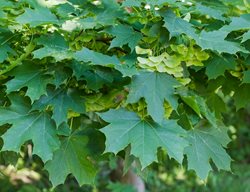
x=152 y=76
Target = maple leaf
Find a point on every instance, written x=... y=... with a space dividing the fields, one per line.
x=137 y=3
x=207 y=143
x=144 y=136
x=245 y=37
x=4 y=49
x=31 y=76
x=53 y=46
x=177 y=26
x=242 y=96
x=237 y=23
x=198 y=104
x=155 y=88
x=124 y=35
x=217 y=65
x=212 y=12
x=62 y=101
x=215 y=40
x=72 y=157
x=36 y=17
x=96 y=58
x=97 y=78
x=246 y=77
x=34 y=126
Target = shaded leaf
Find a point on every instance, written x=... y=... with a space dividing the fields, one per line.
x=29 y=75
x=62 y=101
x=217 y=65
x=72 y=157
x=35 y=126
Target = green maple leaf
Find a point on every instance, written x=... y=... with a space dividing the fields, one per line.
x=36 y=17
x=246 y=77
x=31 y=76
x=242 y=96
x=207 y=143
x=137 y=3
x=177 y=26
x=214 y=13
x=155 y=88
x=124 y=35
x=144 y=136
x=72 y=157
x=132 y=3
x=4 y=49
x=53 y=46
x=217 y=65
x=128 y=65
x=216 y=104
x=62 y=101
x=97 y=78
x=238 y=23
x=110 y=12
x=245 y=36
x=34 y=126
x=215 y=40
x=198 y=104
x=96 y=58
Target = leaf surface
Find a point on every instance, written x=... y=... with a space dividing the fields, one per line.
x=36 y=17
x=218 y=65
x=34 y=126
x=72 y=157
x=144 y=136
x=53 y=46
x=31 y=76
x=124 y=35
x=206 y=144
x=62 y=101
x=155 y=88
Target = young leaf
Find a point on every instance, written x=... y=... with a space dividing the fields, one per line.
x=144 y=136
